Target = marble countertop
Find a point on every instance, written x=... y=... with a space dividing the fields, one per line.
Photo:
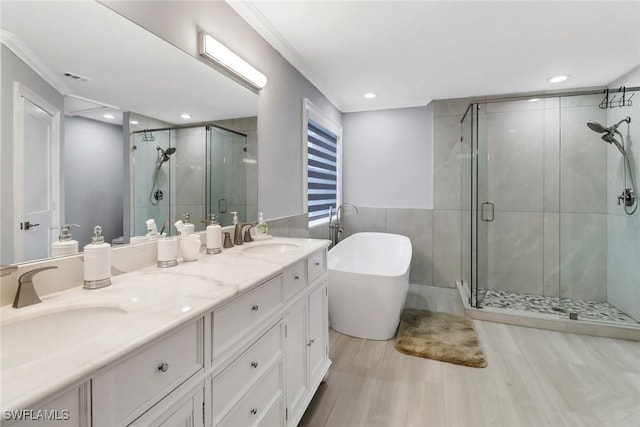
x=153 y=301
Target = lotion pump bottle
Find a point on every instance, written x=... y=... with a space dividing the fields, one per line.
x=261 y=228
x=189 y=228
x=214 y=235
x=235 y=218
x=65 y=244
x=97 y=261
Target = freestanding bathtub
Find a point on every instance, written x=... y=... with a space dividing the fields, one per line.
x=368 y=283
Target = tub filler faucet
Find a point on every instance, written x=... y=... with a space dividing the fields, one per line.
x=335 y=226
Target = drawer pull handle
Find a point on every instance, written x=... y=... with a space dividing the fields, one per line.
x=164 y=367
x=296 y=277
x=310 y=342
x=254 y=364
x=255 y=307
x=254 y=411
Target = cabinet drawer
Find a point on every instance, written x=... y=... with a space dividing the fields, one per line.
x=238 y=319
x=294 y=278
x=316 y=265
x=253 y=407
x=245 y=370
x=146 y=377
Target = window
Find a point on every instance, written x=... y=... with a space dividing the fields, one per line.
x=322 y=160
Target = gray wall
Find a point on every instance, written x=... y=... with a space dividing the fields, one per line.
x=388 y=158
x=279 y=104
x=13 y=69
x=93 y=178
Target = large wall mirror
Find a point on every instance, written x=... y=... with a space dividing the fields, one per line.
x=105 y=123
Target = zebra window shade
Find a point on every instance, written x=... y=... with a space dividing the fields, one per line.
x=322 y=175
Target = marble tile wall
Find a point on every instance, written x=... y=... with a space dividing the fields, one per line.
x=188 y=175
x=623 y=231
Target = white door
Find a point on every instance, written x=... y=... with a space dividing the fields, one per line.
x=36 y=174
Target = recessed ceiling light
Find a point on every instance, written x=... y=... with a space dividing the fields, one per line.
x=534 y=100
x=185 y=116
x=109 y=116
x=370 y=95
x=133 y=122
x=558 y=79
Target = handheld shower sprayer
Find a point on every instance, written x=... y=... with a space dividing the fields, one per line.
x=629 y=197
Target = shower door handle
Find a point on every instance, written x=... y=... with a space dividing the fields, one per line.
x=483 y=212
x=222 y=205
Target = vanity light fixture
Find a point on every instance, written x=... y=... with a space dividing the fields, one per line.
x=558 y=79
x=370 y=95
x=185 y=116
x=220 y=54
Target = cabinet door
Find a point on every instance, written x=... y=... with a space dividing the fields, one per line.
x=296 y=355
x=187 y=412
x=318 y=331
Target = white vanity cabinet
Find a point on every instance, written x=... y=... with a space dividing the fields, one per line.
x=69 y=409
x=123 y=391
x=247 y=341
x=306 y=333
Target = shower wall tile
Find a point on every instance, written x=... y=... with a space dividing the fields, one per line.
x=320 y=231
x=417 y=225
x=551 y=156
x=623 y=273
x=433 y=298
x=367 y=219
x=583 y=256
x=446 y=248
x=583 y=162
x=513 y=106
x=515 y=165
x=446 y=162
x=515 y=252
x=582 y=101
x=451 y=107
x=551 y=254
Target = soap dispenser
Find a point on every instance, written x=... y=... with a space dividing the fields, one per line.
x=261 y=228
x=97 y=261
x=214 y=235
x=189 y=228
x=235 y=218
x=65 y=244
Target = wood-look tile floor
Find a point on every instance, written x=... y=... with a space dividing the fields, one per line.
x=534 y=378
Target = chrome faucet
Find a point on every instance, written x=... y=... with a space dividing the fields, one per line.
x=335 y=226
x=27 y=294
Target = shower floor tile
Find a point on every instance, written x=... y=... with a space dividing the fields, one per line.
x=586 y=310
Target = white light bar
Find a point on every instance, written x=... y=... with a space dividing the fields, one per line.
x=216 y=51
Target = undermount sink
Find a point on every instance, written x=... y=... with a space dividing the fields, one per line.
x=271 y=248
x=30 y=339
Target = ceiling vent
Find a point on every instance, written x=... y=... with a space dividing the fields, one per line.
x=74 y=76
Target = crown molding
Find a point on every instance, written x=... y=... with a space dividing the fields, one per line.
x=22 y=51
x=256 y=19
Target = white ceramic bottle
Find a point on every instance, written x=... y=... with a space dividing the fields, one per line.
x=65 y=245
x=97 y=261
x=214 y=235
x=189 y=228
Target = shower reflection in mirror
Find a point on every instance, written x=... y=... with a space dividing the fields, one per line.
x=200 y=169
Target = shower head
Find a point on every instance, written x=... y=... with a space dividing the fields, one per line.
x=610 y=132
x=163 y=155
x=597 y=127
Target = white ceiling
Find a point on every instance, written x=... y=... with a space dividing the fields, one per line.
x=128 y=68
x=412 y=52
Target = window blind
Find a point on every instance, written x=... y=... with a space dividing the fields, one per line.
x=322 y=175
